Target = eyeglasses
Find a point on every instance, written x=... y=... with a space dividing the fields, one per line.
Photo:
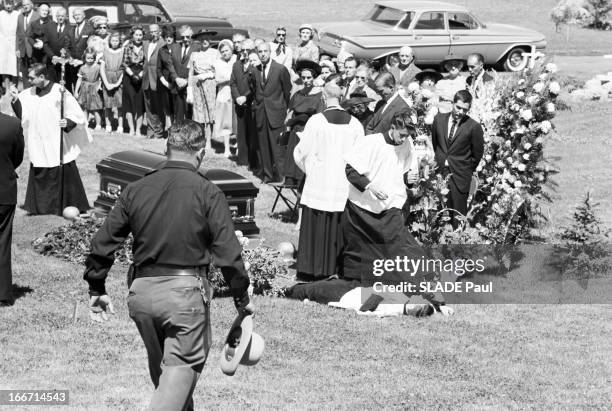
x=102 y=27
x=306 y=77
x=186 y=37
x=360 y=77
x=281 y=34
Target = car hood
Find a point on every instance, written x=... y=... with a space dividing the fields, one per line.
x=509 y=29
x=353 y=29
x=208 y=21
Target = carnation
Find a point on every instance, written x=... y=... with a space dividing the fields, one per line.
x=518 y=184
x=543 y=76
x=521 y=82
x=488 y=157
x=538 y=87
x=516 y=107
x=509 y=160
x=520 y=94
x=500 y=164
x=522 y=167
x=550 y=107
x=539 y=140
x=526 y=156
x=551 y=68
x=554 y=87
x=527 y=146
x=532 y=99
x=545 y=126
x=526 y=115
x=413 y=87
x=508 y=143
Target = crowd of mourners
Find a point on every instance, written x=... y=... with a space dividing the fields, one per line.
x=291 y=114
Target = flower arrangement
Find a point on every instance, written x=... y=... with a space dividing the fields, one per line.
x=516 y=118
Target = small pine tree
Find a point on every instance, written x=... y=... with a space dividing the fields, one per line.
x=586 y=242
x=599 y=10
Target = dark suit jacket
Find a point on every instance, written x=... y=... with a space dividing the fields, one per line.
x=149 y=77
x=381 y=121
x=173 y=65
x=486 y=77
x=58 y=40
x=11 y=156
x=25 y=48
x=408 y=76
x=240 y=82
x=465 y=151
x=272 y=98
x=79 y=45
x=38 y=31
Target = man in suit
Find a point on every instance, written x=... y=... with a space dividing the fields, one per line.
x=405 y=71
x=28 y=15
x=458 y=145
x=240 y=85
x=150 y=84
x=478 y=78
x=175 y=68
x=36 y=36
x=79 y=34
x=11 y=156
x=392 y=103
x=60 y=43
x=272 y=84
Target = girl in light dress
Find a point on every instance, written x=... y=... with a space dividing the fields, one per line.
x=88 y=85
x=224 y=110
x=112 y=76
x=202 y=87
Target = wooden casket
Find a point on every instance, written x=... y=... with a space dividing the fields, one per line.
x=119 y=169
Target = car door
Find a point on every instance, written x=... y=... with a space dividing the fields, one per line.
x=468 y=36
x=430 y=38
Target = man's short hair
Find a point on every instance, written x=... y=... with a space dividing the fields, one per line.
x=39 y=69
x=187 y=136
x=248 y=44
x=184 y=29
x=238 y=37
x=479 y=57
x=59 y=9
x=386 y=79
x=463 y=95
x=403 y=119
x=168 y=31
x=332 y=90
x=350 y=58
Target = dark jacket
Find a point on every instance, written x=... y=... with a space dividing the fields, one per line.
x=58 y=41
x=464 y=152
x=79 y=44
x=149 y=77
x=174 y=66
x=240 y=82
x=381 y=120
x=24 y=46
x=11 y=156
x=272 y=98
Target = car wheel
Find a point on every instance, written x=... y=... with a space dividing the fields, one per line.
x=515 y=61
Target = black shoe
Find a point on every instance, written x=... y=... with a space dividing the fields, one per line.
x=7 y=303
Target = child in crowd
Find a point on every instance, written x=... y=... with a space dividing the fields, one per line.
x=112 y=76
x=87 y=86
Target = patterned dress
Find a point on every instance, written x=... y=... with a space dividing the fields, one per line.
x=309 y=51
x=203 y=92
x=224 y=111
x=113 y=60
x=133 y=95
x=89 y=99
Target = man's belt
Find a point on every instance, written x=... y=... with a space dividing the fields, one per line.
x=160 y=270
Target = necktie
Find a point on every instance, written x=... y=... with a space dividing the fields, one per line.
x=184 y=51
x=263 y=72
x=78 y=31
x=60 y=27
x=451 y=135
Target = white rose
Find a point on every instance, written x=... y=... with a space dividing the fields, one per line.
x=518 y=184
x=539 y=140
x=413 y=87
x=526 y=115
x=500 y=164
x=427 y=94
x=538 y=87
x=532 y=99
x=521 y=130
x=488 y=157
x=522 y=167
x=527 y=146
x=554 y=87
x=509 y=160
x=508 y=143
x=516 y=107
x=543 y=76
x=429 y=119
x=550 y=107
x=526 y=156
x=414 y=118
x=545 y=126
x=520 y=94
x=521 y=82
x=551 y=68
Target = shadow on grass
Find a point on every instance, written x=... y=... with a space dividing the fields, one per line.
x=285 y=216
x=21 y=291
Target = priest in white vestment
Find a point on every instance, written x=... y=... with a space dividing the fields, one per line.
x=51 y=188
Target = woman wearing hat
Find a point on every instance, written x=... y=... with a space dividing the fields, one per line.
x=306 y=49
x=303 y=104
x=357 y=106
x=451 y=84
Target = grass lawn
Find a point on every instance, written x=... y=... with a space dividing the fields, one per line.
x=485 y=357
x=261 y=18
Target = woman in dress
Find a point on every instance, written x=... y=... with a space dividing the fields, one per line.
x=224 y=124
x=133 y=63
x=202 y=87
x=303 y=104
x=451 y=84
x=165 y=60
x=111 y=71
x=306 y=49
x=8 y=43
x=99 y=41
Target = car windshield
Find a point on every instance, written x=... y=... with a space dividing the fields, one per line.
x=388 y=16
